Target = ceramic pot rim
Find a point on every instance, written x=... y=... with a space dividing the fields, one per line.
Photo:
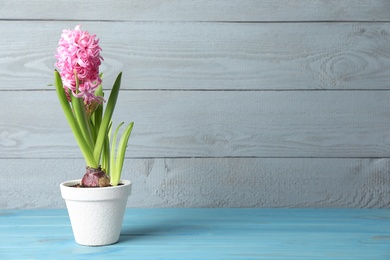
x=95 y=194
x=68 y=184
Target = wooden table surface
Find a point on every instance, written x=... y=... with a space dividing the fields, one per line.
x=206 y=234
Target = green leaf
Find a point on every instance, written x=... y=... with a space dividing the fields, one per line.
x=107 y=118
x=113 y=147
x=93 y=130
x=106 y=152
x=120 y=155
x=81 y=117
x=84 y=147
x=98 y=114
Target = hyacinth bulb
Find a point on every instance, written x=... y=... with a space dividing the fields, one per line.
x=95 y=178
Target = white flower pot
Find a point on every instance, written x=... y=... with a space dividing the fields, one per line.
x=96 y=214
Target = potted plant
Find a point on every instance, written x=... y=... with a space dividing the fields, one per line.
x=96 y=203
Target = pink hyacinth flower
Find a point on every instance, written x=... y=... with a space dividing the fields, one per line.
x=79 y=52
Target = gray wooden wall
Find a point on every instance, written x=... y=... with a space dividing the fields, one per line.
x=236 y=103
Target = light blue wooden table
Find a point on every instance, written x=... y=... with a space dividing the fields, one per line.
x=206 y=234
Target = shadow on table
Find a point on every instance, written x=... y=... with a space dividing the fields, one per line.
x=163 y=228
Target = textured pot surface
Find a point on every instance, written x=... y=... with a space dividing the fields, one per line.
x=96 y=214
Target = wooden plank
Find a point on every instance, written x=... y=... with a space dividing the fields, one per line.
x=209 y=55
x=200 y=10
x=212 y=182
x=210 y=233
x=211 y=124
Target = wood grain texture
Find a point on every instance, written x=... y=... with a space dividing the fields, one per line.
x=211 y=124
x=206 y=234
x=203 y=56
x=198 y=10
x=270 y=103
x=212 y=182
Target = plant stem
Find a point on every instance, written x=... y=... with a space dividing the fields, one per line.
x=84 y=147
